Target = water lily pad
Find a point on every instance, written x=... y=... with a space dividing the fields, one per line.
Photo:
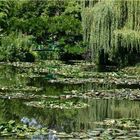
x=12 y=128
x=57 y=104
x=122 y=123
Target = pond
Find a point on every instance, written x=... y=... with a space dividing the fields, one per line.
x=49 y=96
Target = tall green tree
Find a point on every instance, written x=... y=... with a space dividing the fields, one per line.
x=112 y=27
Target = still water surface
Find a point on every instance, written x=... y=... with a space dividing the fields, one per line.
x=67 y=120
x=70 y=120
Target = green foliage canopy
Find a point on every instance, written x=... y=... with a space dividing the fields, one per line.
x=112 y=25
x=51 y=23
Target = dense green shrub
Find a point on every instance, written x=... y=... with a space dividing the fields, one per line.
x=55 y=25
x=17 y=47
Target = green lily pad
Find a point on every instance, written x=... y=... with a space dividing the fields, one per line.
x=57 y=104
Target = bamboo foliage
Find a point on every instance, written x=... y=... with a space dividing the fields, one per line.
x=109 y=24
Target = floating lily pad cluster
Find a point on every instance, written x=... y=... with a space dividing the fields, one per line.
x=18 y=95
x=121 y=94
x=57 y=104
x=12 y=129
x=108 y=81
x=20 y=88
x=18 y=92
x=122 y=123
x=132 y=70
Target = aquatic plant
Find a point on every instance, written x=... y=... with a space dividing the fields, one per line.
x=57 y=104
x=20 y=130
x=122 y=123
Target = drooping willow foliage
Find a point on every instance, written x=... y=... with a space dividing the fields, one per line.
x=110 y=25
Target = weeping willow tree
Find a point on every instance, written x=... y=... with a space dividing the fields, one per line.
x=111 y=26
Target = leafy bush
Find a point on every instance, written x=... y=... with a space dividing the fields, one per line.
x=17 y=47
x=56 y=25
